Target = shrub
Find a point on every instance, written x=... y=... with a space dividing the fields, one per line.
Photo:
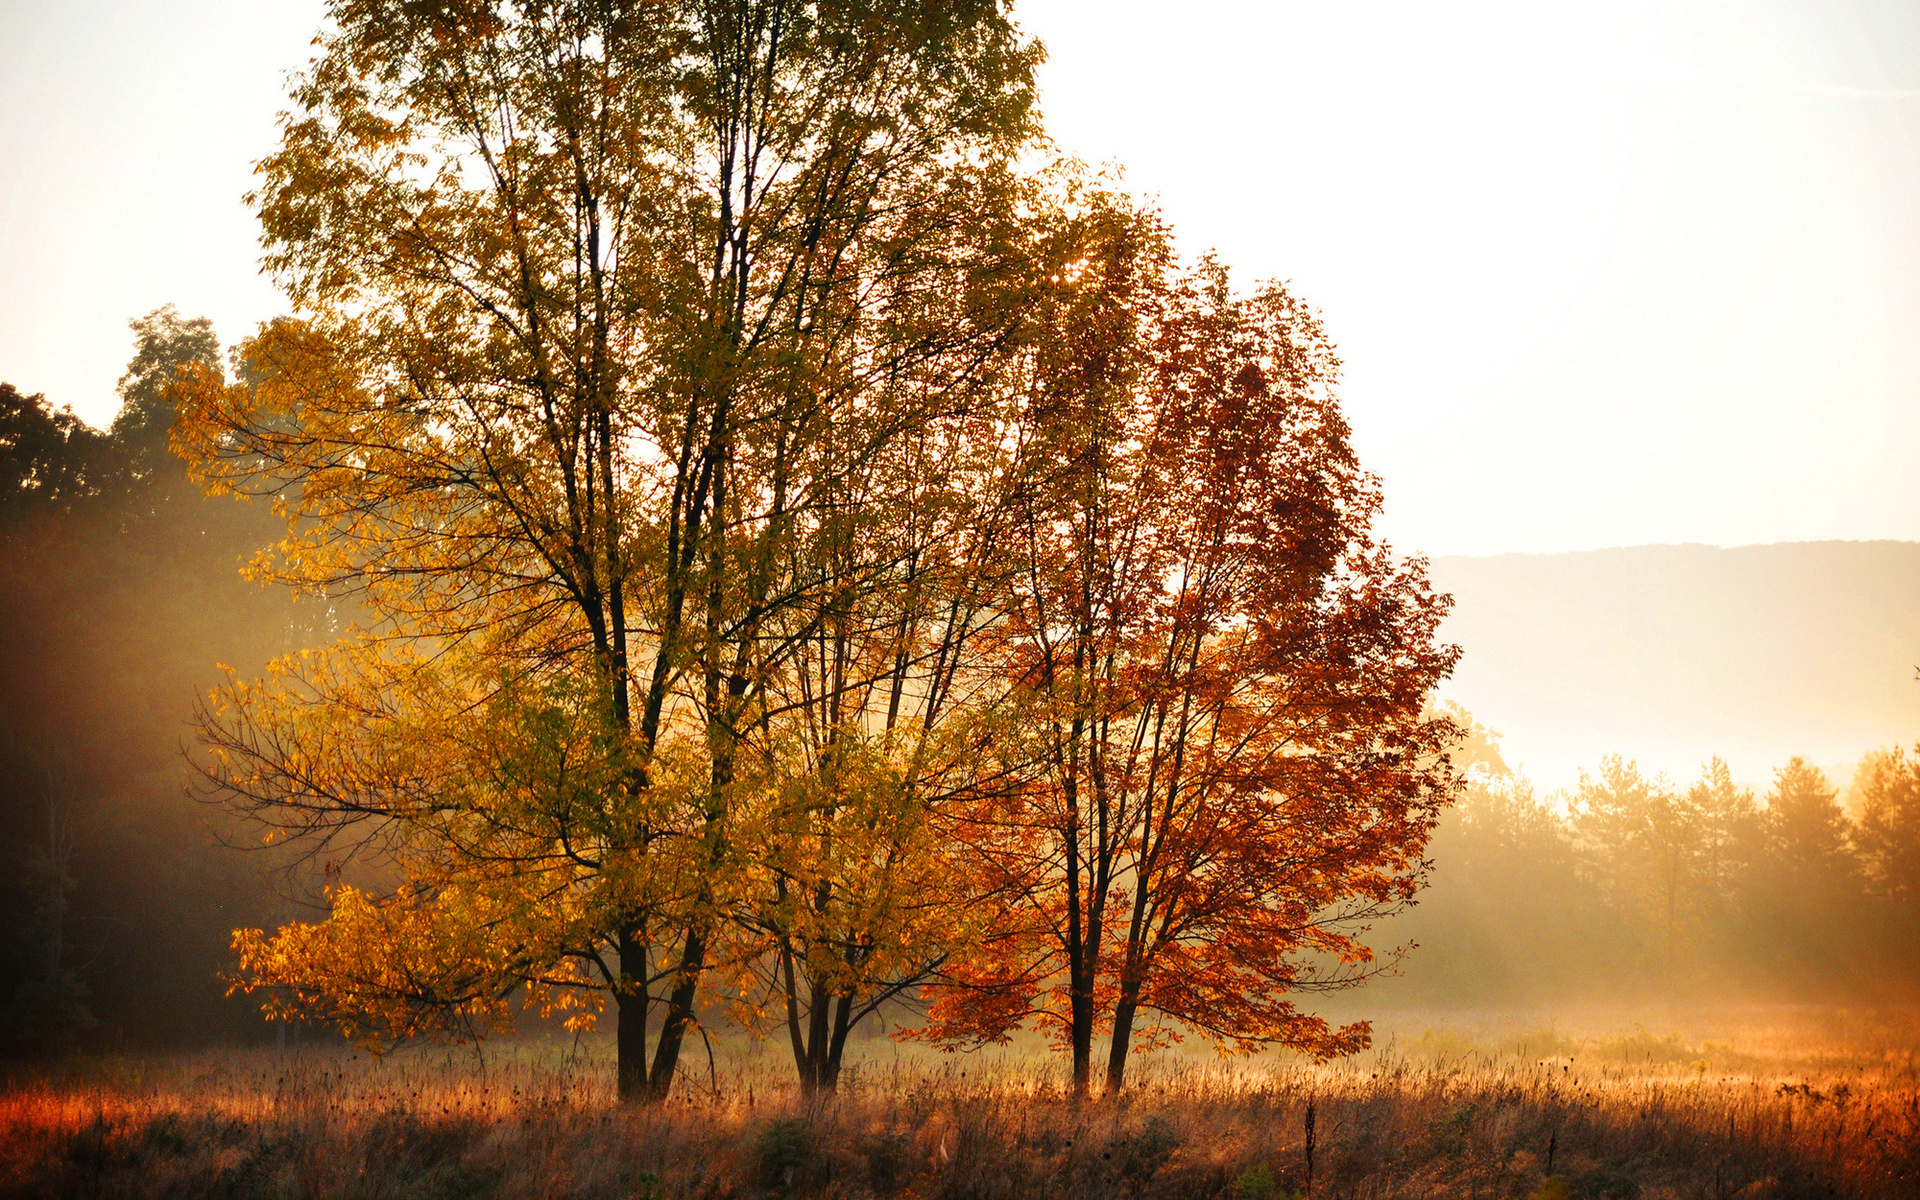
x=783 y=1154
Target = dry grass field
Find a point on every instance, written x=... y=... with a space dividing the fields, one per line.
x=1799 y=1107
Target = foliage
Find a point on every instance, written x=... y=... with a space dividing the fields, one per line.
x=164 y=343
x=1219 y=674
x=623 y=323
x=1645 y=843
x=1804 y=873
x=782 y=1153
x=713 y=424
x=48 y=459
x=1806 y=830
x=1637 y=888
x=1258 y=1183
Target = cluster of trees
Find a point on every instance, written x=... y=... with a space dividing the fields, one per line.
x=804 y=558
x=118 y=593
x=1631 y=885
x=750 y=546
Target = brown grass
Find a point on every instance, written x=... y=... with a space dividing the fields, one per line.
x=1433 y=1116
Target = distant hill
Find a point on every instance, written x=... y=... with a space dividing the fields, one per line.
x=1670 y=654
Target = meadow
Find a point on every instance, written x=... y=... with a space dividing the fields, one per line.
x=1785 y=1104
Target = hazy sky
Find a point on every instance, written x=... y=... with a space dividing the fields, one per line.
x=1601 y=274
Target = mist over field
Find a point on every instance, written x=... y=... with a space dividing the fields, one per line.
x=757 y=626
x=120 y=608
x=1560 y=969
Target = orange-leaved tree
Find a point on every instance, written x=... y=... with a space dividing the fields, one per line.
x=1222 y=676
x=604 y=308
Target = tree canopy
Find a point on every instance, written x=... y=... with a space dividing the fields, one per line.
x=754 y=479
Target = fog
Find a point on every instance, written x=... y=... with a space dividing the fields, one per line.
x=1631 y=890
x=1595 y=879
x=120 y=596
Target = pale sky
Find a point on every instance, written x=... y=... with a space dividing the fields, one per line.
x=1602 y=275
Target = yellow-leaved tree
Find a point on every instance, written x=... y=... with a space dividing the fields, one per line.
x=633 y=401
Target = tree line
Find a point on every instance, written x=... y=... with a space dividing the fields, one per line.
x=1630 y=885
x=121 y=590
x=746 y=543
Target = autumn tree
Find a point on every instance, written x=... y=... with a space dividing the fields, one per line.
x=1221 y=676
x=611 y=313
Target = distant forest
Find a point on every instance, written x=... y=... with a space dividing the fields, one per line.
x=1640 y=887
x=120 y=593
x=121 y=598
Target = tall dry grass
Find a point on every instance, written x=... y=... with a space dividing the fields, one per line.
x=1540 y=1116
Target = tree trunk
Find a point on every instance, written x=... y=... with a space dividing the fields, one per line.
x=1080 y=976
x=1080 y=1033
x=630 y=1037
x=801 y=1065
x=813 y=1072
x=1079 y=970
x=1079 y=1011
x=1133 y=975
x=679 y=1019
x=1122 y=1042
x=842 y=1024
x=817 y=1052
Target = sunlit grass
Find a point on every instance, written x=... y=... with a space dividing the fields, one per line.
x=1438 y=1112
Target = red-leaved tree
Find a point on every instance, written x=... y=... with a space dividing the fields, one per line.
x=1221 y=674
